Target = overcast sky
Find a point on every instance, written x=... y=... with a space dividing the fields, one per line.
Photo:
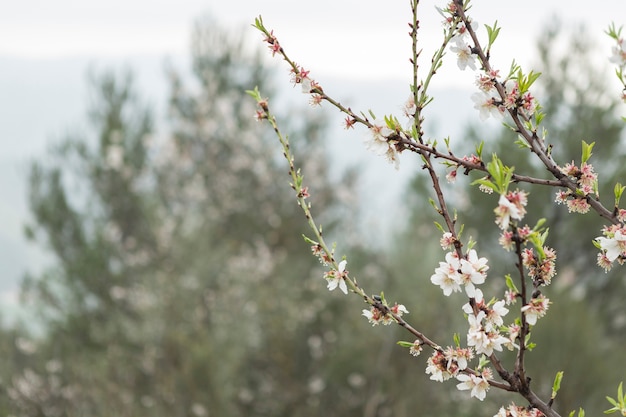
x=46 y=48
x=356 y=37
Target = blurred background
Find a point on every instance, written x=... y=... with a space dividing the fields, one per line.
x=151 y=249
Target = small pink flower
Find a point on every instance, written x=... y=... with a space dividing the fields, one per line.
x=472 y=159
x=604 y=262
x=451 y=176
x=485 y=83
x=512 y=94
x=304 y=193
x=570 y=169
x=506 y=240
x=529 y=104
x=447 y=241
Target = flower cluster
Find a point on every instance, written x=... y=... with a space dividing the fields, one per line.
x=470 y=159
x=445 y=364
x=272 y=42
x=477 y=384
x=488 y=102
x=518 y=411
x=540 y=268
x=309 y=86
x=321 y=254
x=612 y=246
x=381 y=144
x=455 y=272
x=377 y=315
x=461 y=47
x=507 y=237
x=510 y=206
x=485 y=321
x=586 y=182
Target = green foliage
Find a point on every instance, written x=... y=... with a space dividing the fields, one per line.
x=619 y=404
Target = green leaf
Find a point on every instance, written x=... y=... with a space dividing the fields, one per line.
x=254 y=93
x=618 y=191
x=492 y=33
x=586 y=152
x=500 y=175
x=619 y=404
x=483 y=361
x=510 y=284
x=556 y=386
x=522 y=144
x=479 y=149
x=308 y=240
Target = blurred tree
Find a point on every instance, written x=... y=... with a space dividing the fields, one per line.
x=180 y=287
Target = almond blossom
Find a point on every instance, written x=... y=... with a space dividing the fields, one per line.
x=483 y=341
x=473 y=271
x=438 y=367
x=495 y=314
x=536 y=308
x=375 y=316
x=487 y=105
x=337 y=278
x=477 y=385
x=510 y=206
x=447 y=241
x=458 y=357
x=447 y=276
x=416 y=348
x=613 y=246
x=465 y=57
x=519 y=411
x=380 y=144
